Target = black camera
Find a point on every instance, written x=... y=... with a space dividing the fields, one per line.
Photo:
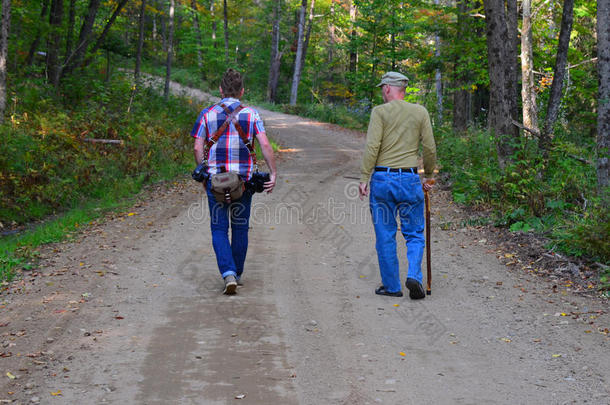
x=257 y=183
x=200 y=173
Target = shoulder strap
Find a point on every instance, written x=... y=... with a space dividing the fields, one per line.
x=231 y=117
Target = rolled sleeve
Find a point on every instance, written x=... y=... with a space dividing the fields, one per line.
x=429 y=146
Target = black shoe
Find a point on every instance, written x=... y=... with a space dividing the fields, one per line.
x=230 y=285
x=416 y=290
x=381 y=291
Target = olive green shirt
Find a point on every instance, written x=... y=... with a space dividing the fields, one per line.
x=396 y=130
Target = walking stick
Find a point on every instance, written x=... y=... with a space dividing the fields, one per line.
x=428 y=254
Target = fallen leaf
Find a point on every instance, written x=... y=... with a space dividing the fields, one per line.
x=119 y=317
x=240 y=396
x=131 y=214
x=556 y=355
x=507 y=340
x=10 y=376
x=56 y=393
x=403 y=354
x=396 y=305
x=4 y=324
x=6 y=354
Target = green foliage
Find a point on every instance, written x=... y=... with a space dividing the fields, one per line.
x=557 y=198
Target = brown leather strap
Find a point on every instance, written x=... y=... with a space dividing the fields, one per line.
x=241 y=132
x=231 y=117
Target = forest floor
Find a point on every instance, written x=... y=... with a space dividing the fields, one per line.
x=131 y=310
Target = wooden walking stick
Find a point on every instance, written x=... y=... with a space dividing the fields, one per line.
x=428 y=254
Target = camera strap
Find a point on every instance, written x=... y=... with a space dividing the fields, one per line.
x=231 y=117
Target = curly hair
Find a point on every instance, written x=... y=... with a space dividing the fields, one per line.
x=232 y=83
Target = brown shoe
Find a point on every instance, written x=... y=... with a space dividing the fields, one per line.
x=230 y=285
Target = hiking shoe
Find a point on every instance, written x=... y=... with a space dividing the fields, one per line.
x=416 y=290
x=382 y=291
x=230 y=285
x=239 y=282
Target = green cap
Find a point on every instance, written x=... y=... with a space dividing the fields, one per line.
x=394 y=79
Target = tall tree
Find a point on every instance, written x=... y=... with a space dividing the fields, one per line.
x=528 y=90
x=53 y=64
x=170 y=48
x=74 y=59
x=213 y=17
x=603 y=109
x=558 y=75
x=136 y=71
x=197 y=33
x=298 y=60
x=34 y=46
x=353 y=49
x=308 y=31
x=276 y=55
x=71 y=22
x=462 y=95
x=502 y=75
x=225 y=15
x=438 y=78
x=5 y=18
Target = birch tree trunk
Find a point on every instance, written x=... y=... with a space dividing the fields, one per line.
x=331 y=36
x=170 y=48
x=603 y=109
x=274 y=65
x=226 y=26
x=136 y=72
x=502 y=69
x=296 y=78
x=353 y=50
x=5 y=18
x=558 y=75
x=528 y=92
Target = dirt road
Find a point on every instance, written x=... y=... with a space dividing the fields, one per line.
x=131 y=312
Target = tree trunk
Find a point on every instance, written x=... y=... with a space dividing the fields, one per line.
x=43 y=13
x=603 y=109
x=308 y=33
x=298 y=60
x=197 y=34
x=213 y=17
x=136 y=71
x=331 y=36
x=274 y=66
x=558 y=75
x=53 y=66
x=353 y=50
x=502 y=68
x=74 y=59
x=461 y=96
x=170 y=48
x=528 y=91
x=71 y=22
x=5 y=18
x=102 y=37
x=438 y=77
x=226 y=26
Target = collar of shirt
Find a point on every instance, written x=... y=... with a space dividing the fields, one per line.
x=229 y=100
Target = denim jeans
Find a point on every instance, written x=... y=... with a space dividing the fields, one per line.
x=230 y=256
x=399 y=194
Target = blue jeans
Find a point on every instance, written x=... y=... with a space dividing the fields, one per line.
x=230 y=256
x=399 y=194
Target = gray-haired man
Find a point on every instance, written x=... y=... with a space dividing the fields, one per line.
x=396 y=131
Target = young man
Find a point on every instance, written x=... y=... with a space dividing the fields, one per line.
x=230 y=153
x=396 y=130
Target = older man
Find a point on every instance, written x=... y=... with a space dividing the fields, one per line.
x=396 y=131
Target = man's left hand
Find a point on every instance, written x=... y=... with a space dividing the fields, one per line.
x=269 y=185
x=363 y=190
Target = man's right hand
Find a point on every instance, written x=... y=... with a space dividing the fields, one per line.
x=428 y=184
x=363 y=190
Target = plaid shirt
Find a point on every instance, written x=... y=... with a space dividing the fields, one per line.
x=230 y=151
